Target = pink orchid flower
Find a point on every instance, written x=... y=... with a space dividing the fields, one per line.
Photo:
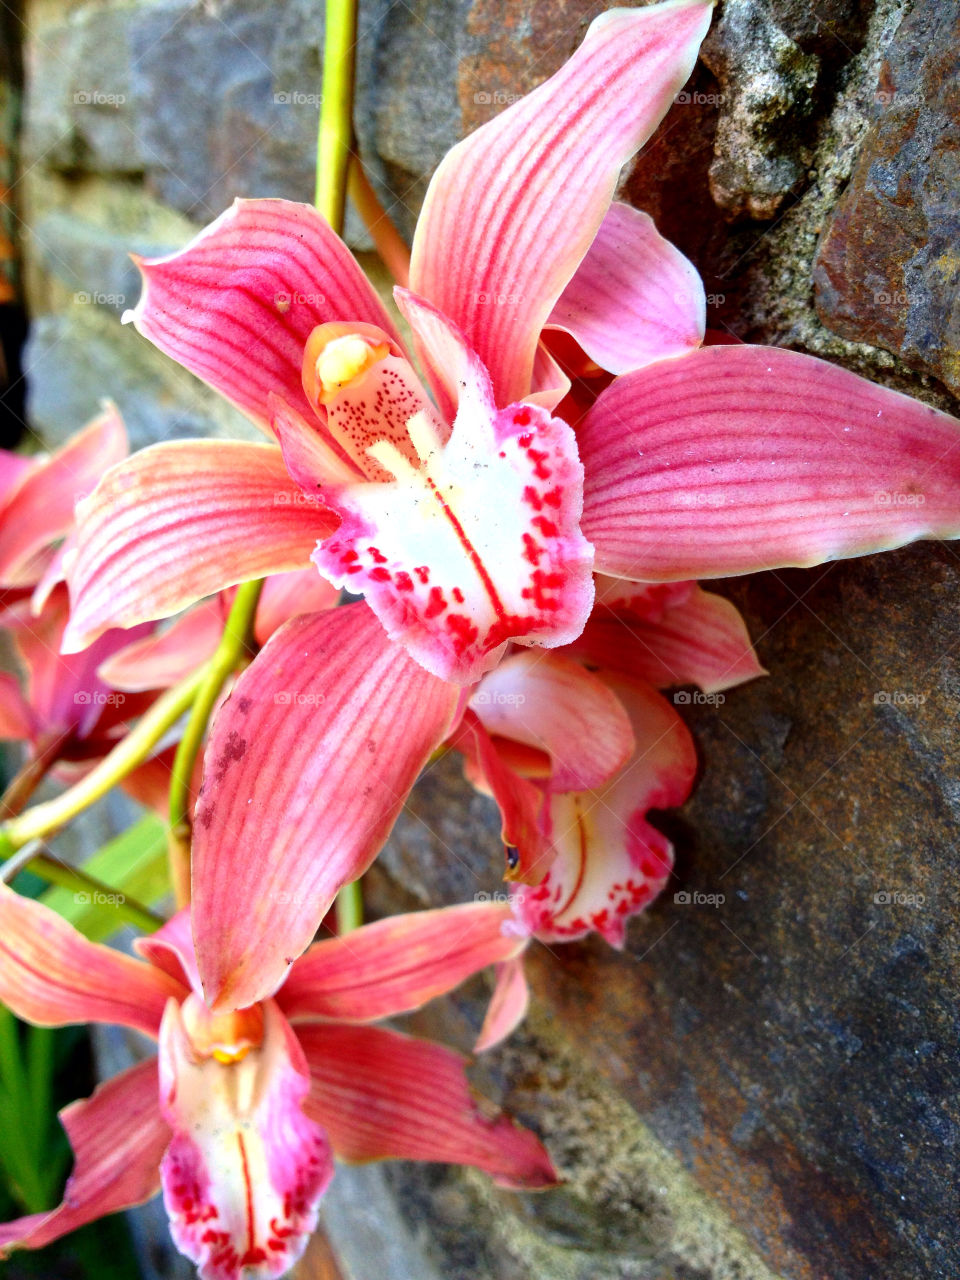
x=473 y=519
x=546 y=740
x=238 y=1117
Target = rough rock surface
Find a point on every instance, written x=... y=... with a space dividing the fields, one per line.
x=887 y=269
x=763 y=1087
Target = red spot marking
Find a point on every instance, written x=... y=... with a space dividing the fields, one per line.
x=532 y=550
x=532 y=498
x=403 y=581
x=522 y=417
x=457 y=595
x=539 y=459
x=553 y=497
x=354 y=568
x=464 y=632
x=380 y=574
x=351 y=555
x=525 y=440
x=377 y=556
x=436 y=603
x=423 y=573
x=546 y=527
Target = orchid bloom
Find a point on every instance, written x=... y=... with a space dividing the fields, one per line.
x=474 y=518
x=546 y=739
x=239 y=1115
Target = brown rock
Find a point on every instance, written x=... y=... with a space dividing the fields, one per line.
x=887 y=270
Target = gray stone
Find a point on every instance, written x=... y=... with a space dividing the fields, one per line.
x=89 y=260
x=82 y=113
x=72 y=363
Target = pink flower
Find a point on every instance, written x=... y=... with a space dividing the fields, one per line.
x=240 y=1114
x=473 y=519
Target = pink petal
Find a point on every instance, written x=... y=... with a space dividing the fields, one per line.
x=284 y=595
x=52 y=976
x=17 y=723
x=701 y=639
x=521 y=802
x=171 y=949
x=549 y=702
x=180 y=521
x=610 y=862
x=739 y=458
x=118 y=1137
x=39 y=511
x=384 y=1096
x=477 y=546
x=245 y=1171
x=634 y=298
x=13 y=468
x=159 y=661
x=512 y=209
x=508 y=1005
x=397 y=964
x=308 y=765
x=237 y=305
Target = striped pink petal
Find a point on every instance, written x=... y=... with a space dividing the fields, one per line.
x=182 y=520
x=308 y=765
x=508 y=1004
x=634 y=298
x=237 y=305
x=512 y=209
x=697 y=637
x=549 y=702
x=397 y=964
x=118 y=1137
x=39 y=508
x=739 y=458
x=383 y=1096
x=51 y=975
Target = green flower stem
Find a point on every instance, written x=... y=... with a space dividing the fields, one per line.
x=44 y=819
x=350 y=907
x=230 y=654
x=335 y=135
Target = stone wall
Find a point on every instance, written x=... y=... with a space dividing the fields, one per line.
x=761 y=1088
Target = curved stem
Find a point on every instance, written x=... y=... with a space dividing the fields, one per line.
x=43 y=819
x=350 y=907
x=234 y=643
x=28 y=778
x=391 y=246
x=335 y=135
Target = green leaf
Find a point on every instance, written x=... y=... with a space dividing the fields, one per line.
x=135 y=863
